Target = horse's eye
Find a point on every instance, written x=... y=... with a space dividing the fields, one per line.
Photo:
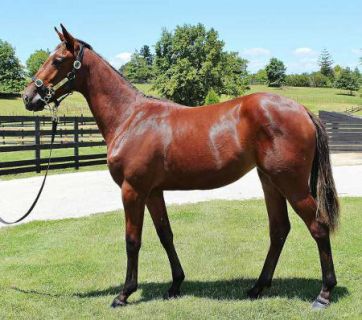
x=57 y=61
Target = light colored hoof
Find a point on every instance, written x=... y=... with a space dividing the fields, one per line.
x=320 y=303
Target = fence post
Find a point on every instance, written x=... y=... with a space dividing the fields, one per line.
x=37 y=144
x=76 y=142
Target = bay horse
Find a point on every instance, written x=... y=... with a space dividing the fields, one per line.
x=155 y=145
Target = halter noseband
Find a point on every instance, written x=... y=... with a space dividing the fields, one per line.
x=47 y=93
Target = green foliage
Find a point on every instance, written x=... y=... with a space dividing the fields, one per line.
x=138 y=70
x=298 y=80
x=358 y=75
x=191 y=61
x=337 y=70
x=36 y=60
x=234 y=74
x=326 y=62
x=212 y=97
x=319 y=80
x=275 y=72
x=347 y=81
x=145 y=52
x=260 y=77
x=12 y=78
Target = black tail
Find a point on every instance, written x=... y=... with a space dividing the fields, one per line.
x=321 y=181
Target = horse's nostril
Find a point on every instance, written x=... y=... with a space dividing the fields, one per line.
x=25 y=98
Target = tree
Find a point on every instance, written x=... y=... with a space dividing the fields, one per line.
x=36 y=60
x=145 y=52
x=298 y=80
x=191 y=60
x=347 y=81
x=260 y=77
x=212 y=97
x=11 y=72
x=319 y=80
x=337 y=70
x=326 y=62
x=137 y=70
x=358 y=75
x=275 y=71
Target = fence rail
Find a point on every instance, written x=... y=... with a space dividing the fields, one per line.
x=32 y=134
x=344 y=131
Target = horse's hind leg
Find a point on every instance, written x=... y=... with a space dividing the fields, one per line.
x=279 y=227
x=297 y=192
x=156 y=205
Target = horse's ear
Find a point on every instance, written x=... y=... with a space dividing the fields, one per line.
x=60 y=35
x=68 y=38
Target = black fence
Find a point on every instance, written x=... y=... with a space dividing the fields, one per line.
x=30 y=135
x=344 y=131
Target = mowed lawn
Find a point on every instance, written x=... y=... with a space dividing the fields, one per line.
x=315 y=99
x=72 y=269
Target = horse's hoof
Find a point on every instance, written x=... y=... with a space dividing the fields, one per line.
x=253 y=293
x=320 y=303
x=171 y=295
x=118 y=303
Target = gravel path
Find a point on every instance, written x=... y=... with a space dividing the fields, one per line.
x=84 y=193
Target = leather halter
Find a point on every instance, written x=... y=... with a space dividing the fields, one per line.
x=47 y=93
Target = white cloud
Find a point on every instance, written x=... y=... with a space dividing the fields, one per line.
x=256 y=52
x=357 y=52
x=120 y=59
x=305 y=52
x=257 y=57
x=306 y=60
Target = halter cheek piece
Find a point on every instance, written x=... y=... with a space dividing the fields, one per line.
x=47 y=93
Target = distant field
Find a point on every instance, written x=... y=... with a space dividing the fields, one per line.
x=313 y=98
x=316 y=99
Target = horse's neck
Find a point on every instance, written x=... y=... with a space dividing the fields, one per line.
x=110 y=97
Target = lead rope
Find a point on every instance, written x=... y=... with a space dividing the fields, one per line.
x=49 y=94
x=54 y=130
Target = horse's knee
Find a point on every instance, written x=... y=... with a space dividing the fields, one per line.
x=132 y=245
x=129 y=195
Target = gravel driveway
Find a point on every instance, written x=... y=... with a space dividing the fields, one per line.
x=83 y=193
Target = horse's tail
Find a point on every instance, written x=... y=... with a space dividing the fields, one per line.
x=321 y=181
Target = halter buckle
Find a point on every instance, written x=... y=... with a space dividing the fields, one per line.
x=77 y=64
x=38 y=83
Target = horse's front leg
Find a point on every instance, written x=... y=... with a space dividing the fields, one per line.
x=134 y=206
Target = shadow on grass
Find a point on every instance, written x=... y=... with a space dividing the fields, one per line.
x=345 y=94
x=235 y=289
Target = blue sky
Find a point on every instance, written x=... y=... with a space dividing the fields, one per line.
x=294 y=31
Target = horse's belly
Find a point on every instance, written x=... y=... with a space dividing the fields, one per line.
x=197 y=177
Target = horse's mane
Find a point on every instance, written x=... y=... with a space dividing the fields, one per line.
x=87 y=45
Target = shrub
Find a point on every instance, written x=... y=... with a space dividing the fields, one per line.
x=212 y=97
x=298 y=80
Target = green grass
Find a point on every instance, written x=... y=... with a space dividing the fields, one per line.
x=72 y=106
x=73 y=268
x=314 y=98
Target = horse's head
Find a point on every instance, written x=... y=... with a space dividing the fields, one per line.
x=57 y=76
